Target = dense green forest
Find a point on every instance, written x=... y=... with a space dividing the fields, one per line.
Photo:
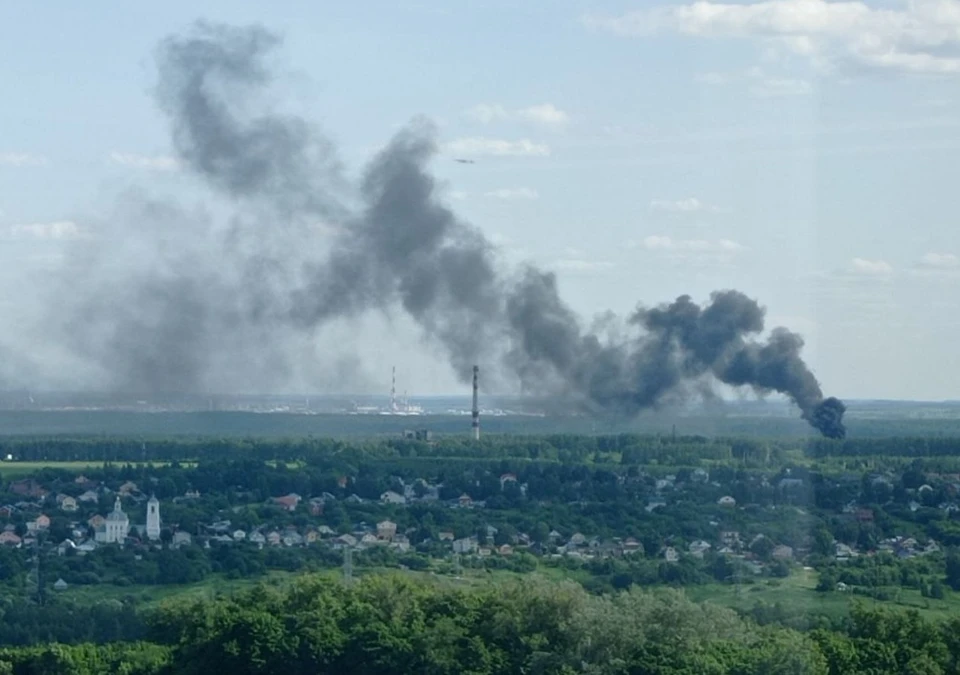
x=626 y=448
x=390 y=625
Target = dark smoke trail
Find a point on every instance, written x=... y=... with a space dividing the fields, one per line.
x=244 y=298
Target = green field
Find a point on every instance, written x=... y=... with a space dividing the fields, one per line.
x=14 y=469
x=798 y=595
x=146 y=596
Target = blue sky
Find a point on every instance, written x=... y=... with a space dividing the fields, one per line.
x=801 y=151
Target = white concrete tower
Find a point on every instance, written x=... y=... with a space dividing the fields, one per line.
x=153 y=519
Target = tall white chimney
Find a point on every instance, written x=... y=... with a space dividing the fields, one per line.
x=476 y=404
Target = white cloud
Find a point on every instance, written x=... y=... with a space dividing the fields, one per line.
x=546 y=114
x=58 y=230
x=158 y=163
x=22 y=159
x=943 y=261
x=543 y=114
x=513 y=193
x=459 y=195
x=485 y=113
x=687 y=205
x=496 y=147
x=864 y=266
x=660 y=242
x=921 y=36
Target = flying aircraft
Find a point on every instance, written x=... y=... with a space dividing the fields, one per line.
x=465 y=161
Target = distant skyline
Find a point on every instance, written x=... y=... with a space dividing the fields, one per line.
x=803 y=152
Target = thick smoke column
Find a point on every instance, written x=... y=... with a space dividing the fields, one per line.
x=241 y=298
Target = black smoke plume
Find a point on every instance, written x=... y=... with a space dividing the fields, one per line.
x=217 y=303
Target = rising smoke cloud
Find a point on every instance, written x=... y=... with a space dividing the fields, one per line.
x=222 y=305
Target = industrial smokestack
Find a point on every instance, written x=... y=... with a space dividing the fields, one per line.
x=393 y=390
x=476 y=404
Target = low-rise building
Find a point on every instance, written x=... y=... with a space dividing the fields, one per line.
x=386 y=529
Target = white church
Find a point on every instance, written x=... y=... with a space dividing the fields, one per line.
x=116 y=526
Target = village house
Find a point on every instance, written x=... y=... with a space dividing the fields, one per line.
x=87 y=546
x=632 y=546
x=670 y=554
x=127 y=488
x=698 y=548
x=400 y=543
x=782 y=552
x=369 y=539
x=67 y=503
x=445 y=535
x=464 y=546
x=274 y=538
x=386 y=529
x=465 y=501
x=257 y=538
x=344 y=540
x=88 y=497
x=844 y=552
x=292 y=539
x=27 y=488
x=730 y=538
x=41 y=522
x=316 y=506
x=287 y=502
x=727 y=500
x=391 y=497
x=9 y=539
x=181 y=538
x=507 y=478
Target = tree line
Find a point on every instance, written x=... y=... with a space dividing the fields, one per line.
x=387 y=625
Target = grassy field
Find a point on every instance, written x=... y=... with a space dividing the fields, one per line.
x=147 y=596
x=15 y=469
x=797 y=594
x=11 y=469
